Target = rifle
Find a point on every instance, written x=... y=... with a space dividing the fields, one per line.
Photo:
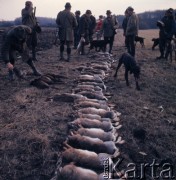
x=34 y=11
x=37 y=27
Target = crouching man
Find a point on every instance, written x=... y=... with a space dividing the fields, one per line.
x=15 y=41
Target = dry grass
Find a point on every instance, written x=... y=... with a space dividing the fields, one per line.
x=32 y=128
x=142 y=110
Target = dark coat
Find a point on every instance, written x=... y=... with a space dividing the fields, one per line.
x=169 y=26
x=109 y=26
x=84 y=27
x=66 y=22
x=15 y=40
x=28 y=18
x=132 y=25
x=92 y=24
x=76 y=29
x=124 y=24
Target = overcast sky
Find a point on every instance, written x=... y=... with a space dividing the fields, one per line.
x=10 y=9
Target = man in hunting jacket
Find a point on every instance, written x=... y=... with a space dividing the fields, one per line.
x=131 y=30
x=166 y=37
x=76 y=30
x=109 y=26
x=66 y=22
x=29 y=19
x=84 y=29
x=14 y=41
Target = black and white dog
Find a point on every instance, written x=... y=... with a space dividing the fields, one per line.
x=130 y=66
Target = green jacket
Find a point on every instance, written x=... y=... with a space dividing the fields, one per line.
x=132 y=25
x=28 y=18
x=14 y=40
x=66 y=22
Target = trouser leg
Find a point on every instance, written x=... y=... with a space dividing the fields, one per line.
x=106 y=42
x=162 y=47
x=168 y=49
x=130 y=44
x=133 y=49
x=68 y=51
x=62 y=50
x=82 y=48
x=111 y=43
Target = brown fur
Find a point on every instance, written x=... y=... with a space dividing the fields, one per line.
x=97 y=133
x=101 y=112
x=85 y=104
x=93 y=123
x=72 y=172
x=84 y=158
x=92 y=144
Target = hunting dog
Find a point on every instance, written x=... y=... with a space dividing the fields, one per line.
x=98 y=45
x=140 y=40
x=155 y=43
x=130 y=66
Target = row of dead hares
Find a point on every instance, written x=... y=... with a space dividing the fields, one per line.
x=93 y=137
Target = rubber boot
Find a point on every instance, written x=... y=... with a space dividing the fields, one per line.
x=68 y=54
x=11 y=75
x=82 y=50
x=34 y=54
x=35 y=71
x=62 y=52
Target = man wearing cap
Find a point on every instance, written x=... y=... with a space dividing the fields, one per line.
x=15 y=41
x=66 y=22
x=29 y=19
x=76 y=30
x=131 y=30
x=109 y=27
x=84 y=29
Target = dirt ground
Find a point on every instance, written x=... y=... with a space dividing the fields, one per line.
x=33 y=127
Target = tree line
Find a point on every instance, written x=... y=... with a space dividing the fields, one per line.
x=147 y=20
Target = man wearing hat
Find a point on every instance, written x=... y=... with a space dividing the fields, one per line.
x=76 y=30
x=15 y=41
x=84 y=29
x=66 y=22
x=29 y=19
x=109 y=27
x=131 y=30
